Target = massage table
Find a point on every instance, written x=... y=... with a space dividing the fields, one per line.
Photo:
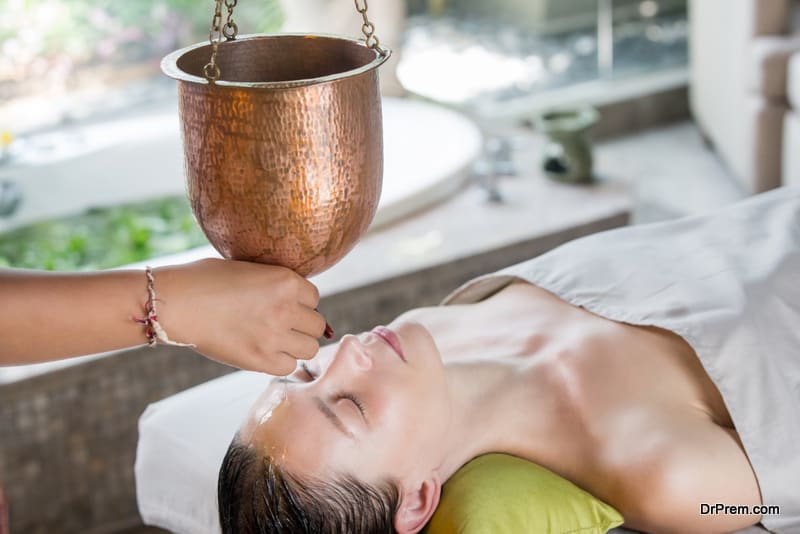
x=182 y=440
x=727 y=281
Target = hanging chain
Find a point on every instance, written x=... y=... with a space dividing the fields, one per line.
x=229 y=30
x=211 y=70
x=368 y=28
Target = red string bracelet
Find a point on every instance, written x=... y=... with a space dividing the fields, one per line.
x=153 y=330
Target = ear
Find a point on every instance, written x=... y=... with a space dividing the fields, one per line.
x=417 y=505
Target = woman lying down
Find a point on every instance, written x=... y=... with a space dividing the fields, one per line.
x=657 y=367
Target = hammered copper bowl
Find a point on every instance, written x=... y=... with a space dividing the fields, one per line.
x=284 y=152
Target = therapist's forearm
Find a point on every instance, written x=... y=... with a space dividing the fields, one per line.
x=50 y=316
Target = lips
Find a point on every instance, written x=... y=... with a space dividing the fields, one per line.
x=391 y=339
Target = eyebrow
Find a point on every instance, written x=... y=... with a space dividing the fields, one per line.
x=332 y=417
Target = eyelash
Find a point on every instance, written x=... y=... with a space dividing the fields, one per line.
x=346 y=396
x=307 y=371
x=355 y=400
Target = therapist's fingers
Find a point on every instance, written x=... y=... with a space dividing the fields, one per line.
x=300 y=346
x=279 y=364
x=310 y=322
x=307 y=293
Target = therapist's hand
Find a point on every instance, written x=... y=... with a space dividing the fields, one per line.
x=248 y=315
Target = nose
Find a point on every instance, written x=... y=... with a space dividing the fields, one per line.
x=355 y=352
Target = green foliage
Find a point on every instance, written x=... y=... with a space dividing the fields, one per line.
x=111 y=30
x=104 y=237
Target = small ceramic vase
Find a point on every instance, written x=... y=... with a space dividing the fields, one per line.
x=567 y=155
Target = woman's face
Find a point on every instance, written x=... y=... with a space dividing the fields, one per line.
x=368 y=409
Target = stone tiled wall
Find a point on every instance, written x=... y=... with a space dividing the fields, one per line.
x=68 y=438
x=633 y=115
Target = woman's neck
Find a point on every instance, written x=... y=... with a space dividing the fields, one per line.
x=497 y=406
x=504 y=396
x=477 y=426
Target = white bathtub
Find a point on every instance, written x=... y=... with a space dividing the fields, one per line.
x=428 y=151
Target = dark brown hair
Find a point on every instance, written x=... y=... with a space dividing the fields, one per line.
x=257 y=496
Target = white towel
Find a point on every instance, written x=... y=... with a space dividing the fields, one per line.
x=729 y=284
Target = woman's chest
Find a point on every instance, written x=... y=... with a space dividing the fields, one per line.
x=604 y=366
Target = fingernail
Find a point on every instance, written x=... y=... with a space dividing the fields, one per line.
x=328 y=331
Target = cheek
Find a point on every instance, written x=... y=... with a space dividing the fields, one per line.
x=409 y=416
x=392 y=409
x=399 y=397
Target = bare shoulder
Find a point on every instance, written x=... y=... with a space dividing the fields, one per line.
x=675 y=472
x=524 y=289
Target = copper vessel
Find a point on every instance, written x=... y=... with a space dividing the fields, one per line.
x=284 y=152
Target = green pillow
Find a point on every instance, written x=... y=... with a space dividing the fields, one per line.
x=502 y=494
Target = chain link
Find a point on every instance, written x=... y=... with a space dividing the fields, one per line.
x=229 y=30
x=211 y=70
x=368 y=28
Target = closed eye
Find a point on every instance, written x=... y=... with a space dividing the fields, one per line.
x=310 y=377
x=355 y=400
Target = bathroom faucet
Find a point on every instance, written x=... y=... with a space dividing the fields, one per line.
x=484 y=175
x=497 y=162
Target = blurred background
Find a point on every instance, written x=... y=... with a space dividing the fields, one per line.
x=88 y=122
x=675 y=107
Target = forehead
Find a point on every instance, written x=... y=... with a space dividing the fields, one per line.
x=293 y=430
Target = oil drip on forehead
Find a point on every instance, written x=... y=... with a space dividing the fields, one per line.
x=276 y=395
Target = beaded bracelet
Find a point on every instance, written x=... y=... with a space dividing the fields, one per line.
x=153 y=330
